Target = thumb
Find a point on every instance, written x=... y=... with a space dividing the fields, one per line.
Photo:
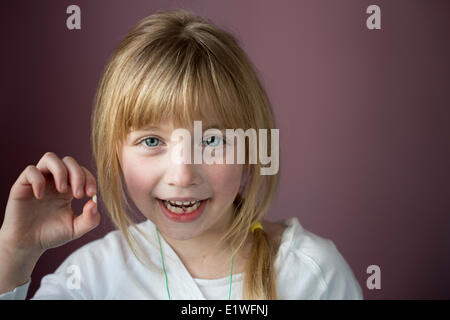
x=87 y=220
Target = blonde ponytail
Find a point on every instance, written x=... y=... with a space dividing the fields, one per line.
x=260 y=279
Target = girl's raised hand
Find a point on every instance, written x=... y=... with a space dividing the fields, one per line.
x=39 y=215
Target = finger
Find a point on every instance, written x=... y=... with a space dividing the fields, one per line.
x=87 y=220
x=77 y=176
x=31 y=177
x=50 y=163
x=91 y=184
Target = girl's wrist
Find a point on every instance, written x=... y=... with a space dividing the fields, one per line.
x=16 y=266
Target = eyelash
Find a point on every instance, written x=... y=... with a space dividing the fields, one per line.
x=140 y=142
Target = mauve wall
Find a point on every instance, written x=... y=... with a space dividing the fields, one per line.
x=363 y=116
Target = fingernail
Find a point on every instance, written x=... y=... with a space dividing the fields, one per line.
x=91 y=190
x=94 y=198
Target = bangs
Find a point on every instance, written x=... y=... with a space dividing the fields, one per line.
x=183 y=81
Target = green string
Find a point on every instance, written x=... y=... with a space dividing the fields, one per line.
x=162 y=258
x=165 y=273
x=231 y=275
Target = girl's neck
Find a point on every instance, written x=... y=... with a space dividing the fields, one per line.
x=204 y=259
x=215 y=264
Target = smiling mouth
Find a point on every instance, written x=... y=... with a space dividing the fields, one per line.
x=182 y=207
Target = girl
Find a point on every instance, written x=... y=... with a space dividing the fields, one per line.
x=204 y=236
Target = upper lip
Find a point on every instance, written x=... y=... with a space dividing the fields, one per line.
x=183 y=199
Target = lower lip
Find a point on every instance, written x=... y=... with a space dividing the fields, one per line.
x=184 y=217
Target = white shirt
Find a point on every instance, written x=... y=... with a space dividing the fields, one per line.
x=307 y=267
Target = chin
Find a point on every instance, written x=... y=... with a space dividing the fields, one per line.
x=180 y=235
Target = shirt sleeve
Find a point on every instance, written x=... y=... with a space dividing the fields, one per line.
x=340 y=281
x=93 y=271
x=71 y=280
x=60 y=285
x=19 y=293
x=90 y=272
x=75 y=278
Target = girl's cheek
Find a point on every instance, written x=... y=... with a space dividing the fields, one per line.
x=225 y=179
x=140 y=179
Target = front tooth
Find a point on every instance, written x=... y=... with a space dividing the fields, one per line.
x=179 y=203
x=178 y=210
x=192 y=208
x=175 y=209
x=186 y=203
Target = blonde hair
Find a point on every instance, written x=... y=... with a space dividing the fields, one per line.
x=177 y=64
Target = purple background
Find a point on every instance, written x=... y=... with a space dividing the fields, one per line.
x=363 y=116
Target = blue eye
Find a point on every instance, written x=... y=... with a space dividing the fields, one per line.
x=152 y=140
x=214 y=140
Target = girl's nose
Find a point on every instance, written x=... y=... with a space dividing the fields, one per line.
x=182 y=175
x=181 y=170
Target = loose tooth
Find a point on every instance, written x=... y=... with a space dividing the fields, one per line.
x=174 y=209
x=179 y=210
